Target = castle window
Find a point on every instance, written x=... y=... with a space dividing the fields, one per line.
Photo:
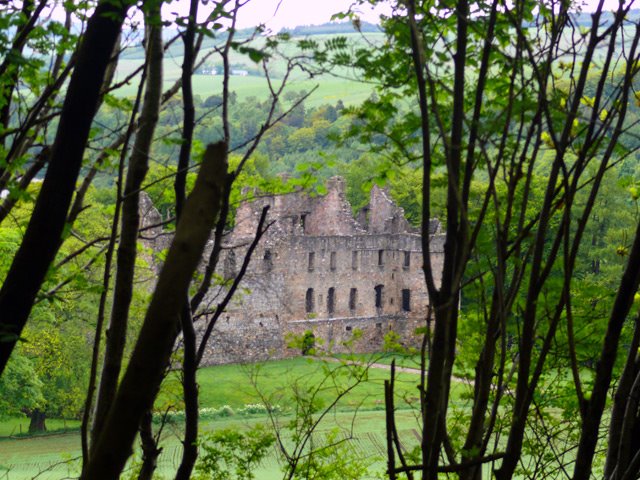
x=268 y=264
x=407 y=260
x=230 y=265
x=380 y=257
x=312 y=257
x=331 y=301
x=348 y=329
x=379 y=292
x=309 y=304
x=406 y=300
x=353 y=299
x=354 y=260
x=333 y=260
x=303 y=223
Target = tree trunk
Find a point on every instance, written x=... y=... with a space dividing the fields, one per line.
x=37 y=423
x=152 y=352
x=622 y=305
x=189 y=364
x=150 y=450
x=123 y=288
x=190 y=389
x=42 y=237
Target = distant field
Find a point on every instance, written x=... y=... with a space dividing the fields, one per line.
x=330 y=89
x=19 y=426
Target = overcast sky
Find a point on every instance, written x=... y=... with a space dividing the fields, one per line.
x=289 y=13
x=296 y=12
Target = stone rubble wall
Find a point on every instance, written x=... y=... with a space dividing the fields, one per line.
x=274 y=341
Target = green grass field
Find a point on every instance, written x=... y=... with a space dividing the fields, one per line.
x=58 y=456
x=231 y=385
x=330 y=89
x=20 y=426
x=276 y=379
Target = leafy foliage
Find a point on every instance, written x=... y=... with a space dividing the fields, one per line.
x=229 y=454
x=21 y=389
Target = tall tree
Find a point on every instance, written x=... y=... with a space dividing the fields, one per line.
x=189 y=367
x=213 y=190
x=42 y=237
x=150 y=357
x=127 y=246
x=504 y=92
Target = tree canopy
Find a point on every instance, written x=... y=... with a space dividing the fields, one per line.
x=514 y=123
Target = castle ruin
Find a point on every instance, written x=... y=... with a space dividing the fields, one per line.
x=318 y=269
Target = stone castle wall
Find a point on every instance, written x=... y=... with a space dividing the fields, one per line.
x=270 y=341
x=318 y=269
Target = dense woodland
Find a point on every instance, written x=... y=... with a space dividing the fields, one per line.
x=513 y=123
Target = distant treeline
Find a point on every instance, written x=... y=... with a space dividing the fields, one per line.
x=330 y=28
x=584 y=19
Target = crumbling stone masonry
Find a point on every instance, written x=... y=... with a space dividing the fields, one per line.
x=318 y=269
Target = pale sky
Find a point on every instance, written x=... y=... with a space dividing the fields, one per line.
x=289 y=13
x=296 y=12
x=277 y=14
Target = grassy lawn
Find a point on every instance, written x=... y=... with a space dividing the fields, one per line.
x=23 y=459
x=26 y=457
x=278 y=380
x=20 y=425
x=405 y=360
x=233 y=385
x=238 y=385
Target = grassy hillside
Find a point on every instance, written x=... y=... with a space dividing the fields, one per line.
x=330 y=88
